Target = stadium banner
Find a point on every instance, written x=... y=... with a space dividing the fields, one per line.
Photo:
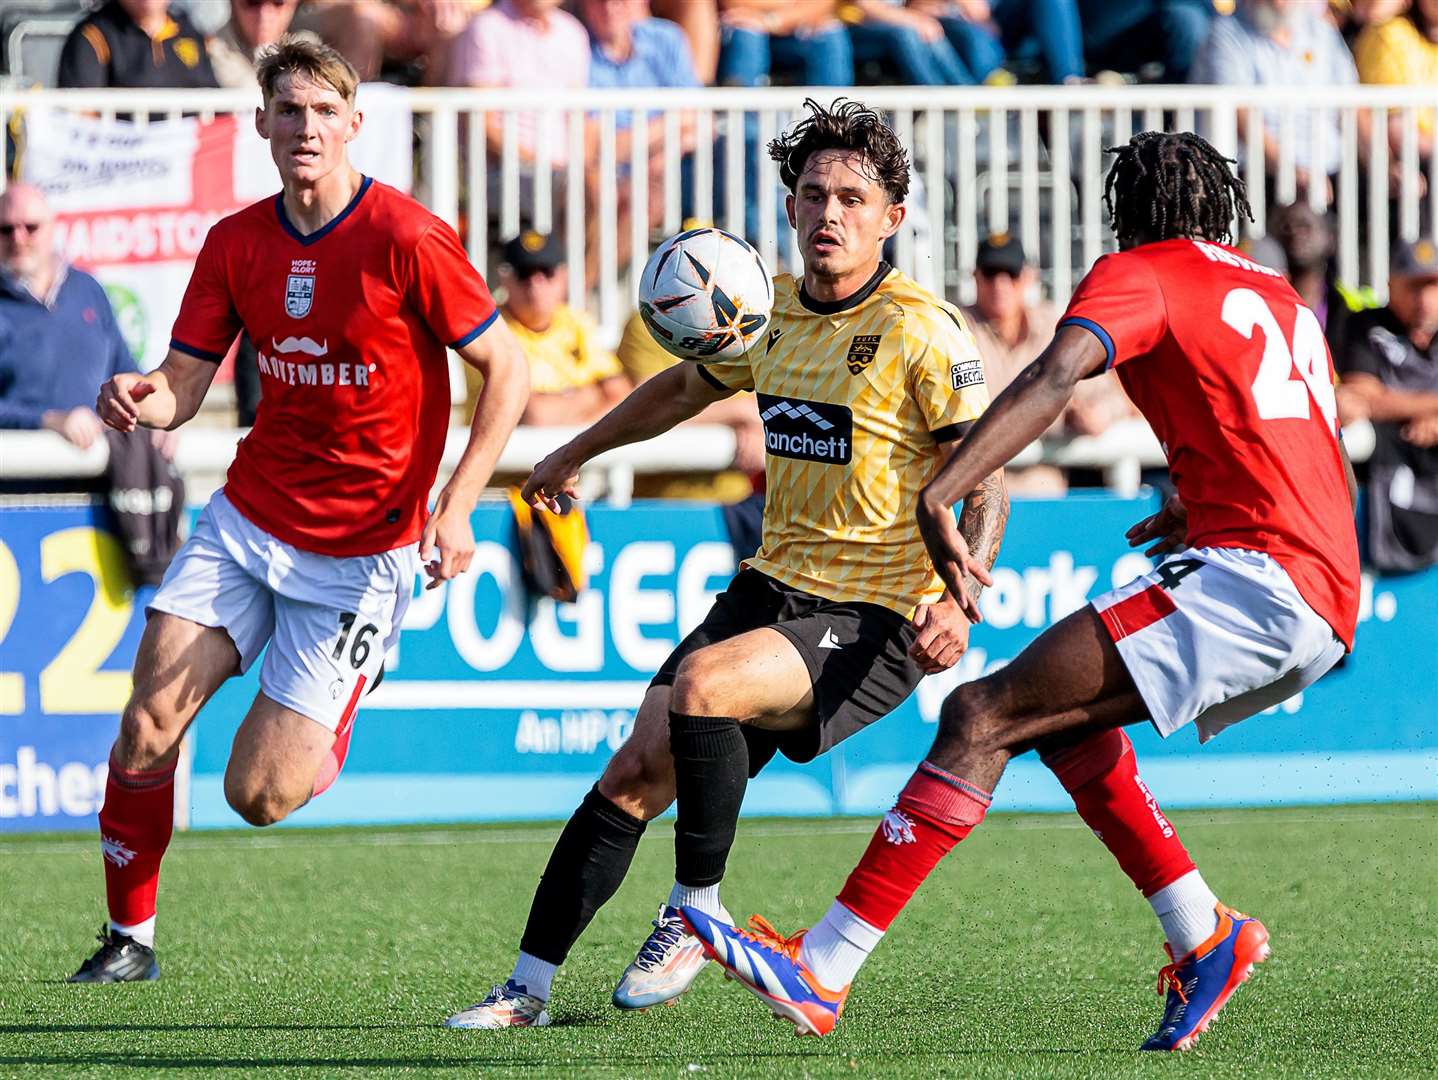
x=497 y=707
x=133 y=203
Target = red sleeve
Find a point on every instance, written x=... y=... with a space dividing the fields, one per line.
x=1120 y=303
x=447 y=290
x=208 y=323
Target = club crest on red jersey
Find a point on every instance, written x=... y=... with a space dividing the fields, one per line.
x=300 y=288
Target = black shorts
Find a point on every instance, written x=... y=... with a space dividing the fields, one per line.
x=857 y=655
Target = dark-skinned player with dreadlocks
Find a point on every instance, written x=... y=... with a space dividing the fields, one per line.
x=1257 y=599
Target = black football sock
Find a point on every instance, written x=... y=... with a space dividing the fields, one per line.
x=585 y=869
x=711 y=770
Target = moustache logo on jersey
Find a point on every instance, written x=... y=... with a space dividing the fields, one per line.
x=807 y=430
x=286 y=362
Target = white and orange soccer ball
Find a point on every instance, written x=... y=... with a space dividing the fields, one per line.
x=706 y=295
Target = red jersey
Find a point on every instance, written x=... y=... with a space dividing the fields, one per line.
x=350 y=324
x=1232 y=372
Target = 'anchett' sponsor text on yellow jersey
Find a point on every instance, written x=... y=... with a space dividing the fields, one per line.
x=857 y=399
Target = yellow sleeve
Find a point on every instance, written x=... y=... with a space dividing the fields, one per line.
x=733 y=374
x=598 y=363
x=946 y=372
x=640 y=355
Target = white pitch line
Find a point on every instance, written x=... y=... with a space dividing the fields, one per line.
x=320 y=837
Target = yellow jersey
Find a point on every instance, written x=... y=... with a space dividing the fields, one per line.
x=857 y=399
x=564 y=356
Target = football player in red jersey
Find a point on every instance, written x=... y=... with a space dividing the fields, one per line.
x=1258 y=600
x=351 y=292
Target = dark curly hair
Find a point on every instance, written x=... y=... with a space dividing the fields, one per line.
x=1170 y=185
x=844 y=125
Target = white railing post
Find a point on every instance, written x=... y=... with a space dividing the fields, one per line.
x=444 y=163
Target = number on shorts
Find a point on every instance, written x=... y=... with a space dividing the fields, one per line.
x=1175 y=570
x=1277 y=394
x=360 y=652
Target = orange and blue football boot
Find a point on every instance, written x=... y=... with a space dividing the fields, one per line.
x=767 y=965
x=1200 y=984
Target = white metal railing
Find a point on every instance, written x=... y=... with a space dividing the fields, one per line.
x=1022 y=159
x=1122 y=452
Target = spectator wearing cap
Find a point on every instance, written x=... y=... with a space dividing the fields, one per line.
x=253 y=25
x=1282 y=43
x=1011 y=331
x=799 y=37
x=136 y=44
x=58 y=337
x=572 y=379
x=1307 y=241
x=1390 y=376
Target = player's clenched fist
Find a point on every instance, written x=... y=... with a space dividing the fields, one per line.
x=556 y=475
x=119 y=402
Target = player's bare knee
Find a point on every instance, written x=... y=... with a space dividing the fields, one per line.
x=258 y=808
x=626 y=776
x=146 y=736
x=967 y=724
x=702 y=687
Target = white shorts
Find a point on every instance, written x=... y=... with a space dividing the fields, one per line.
x=1214 y=635
x=329 y=621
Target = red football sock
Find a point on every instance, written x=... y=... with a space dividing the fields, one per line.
x=1102 y=776
x=329 y=770
x=136 y=822
x=935 y=811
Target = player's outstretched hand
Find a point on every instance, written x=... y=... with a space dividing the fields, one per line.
x=950 y=555
x=556 y=475
x=943 y=636
x=449 y=535
x=1169 y=527
x=118 y=404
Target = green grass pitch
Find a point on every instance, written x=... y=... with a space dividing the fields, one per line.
x=336 y=953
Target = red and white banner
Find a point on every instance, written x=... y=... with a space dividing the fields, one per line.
x=133 y=204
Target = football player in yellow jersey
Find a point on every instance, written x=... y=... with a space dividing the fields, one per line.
x=865 y=383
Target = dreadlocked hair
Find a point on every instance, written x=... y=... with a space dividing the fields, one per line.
x=845 y=125
x=1170 y=185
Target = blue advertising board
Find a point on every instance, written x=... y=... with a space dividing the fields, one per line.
x=495 y=707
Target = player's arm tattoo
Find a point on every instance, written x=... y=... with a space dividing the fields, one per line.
x=982 y=519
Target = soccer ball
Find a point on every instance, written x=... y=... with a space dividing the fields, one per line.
x=706 y=295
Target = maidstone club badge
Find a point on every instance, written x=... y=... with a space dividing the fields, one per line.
x=300 y=288
x=862 y=351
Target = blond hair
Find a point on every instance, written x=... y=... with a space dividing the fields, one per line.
x=314 y=60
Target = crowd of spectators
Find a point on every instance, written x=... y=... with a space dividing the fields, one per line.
x=1386 y=355
x=757 y=42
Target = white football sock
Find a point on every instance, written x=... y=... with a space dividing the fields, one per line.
x=1186 y=910
x=143 y=932
x=534 y=974
x=837 y=946
x=703 y=897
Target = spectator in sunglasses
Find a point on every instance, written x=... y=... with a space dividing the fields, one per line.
x=573 y=380
x=58 y=336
